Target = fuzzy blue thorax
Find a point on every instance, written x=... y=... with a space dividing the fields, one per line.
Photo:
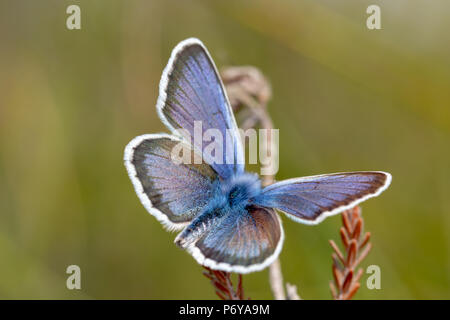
x=239 y=189
x=232 y=194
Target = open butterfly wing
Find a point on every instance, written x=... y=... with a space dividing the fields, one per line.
x=242 y=241
x=191 y=93
x=309 y=200
x=173 y=193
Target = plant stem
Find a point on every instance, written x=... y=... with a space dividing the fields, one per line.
x=249 y=90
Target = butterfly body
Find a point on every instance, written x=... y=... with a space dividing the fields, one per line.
x=227 y=218
x=230 y=197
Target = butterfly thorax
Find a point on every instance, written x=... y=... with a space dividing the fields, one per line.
x=238 y=190
x=230 y=196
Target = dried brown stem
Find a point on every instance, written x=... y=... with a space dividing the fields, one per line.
x=249 y=91
x=224 y=285
x=356 y=248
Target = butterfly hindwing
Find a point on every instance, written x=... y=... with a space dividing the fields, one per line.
x=242 y=241
x=309 y=200
x=192 y=91
x=173 y=193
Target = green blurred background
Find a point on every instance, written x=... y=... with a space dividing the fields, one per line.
x=344 y=98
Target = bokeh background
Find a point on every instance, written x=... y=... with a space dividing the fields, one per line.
x=344 y=98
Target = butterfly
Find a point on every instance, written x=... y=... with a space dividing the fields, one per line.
x=227 y=219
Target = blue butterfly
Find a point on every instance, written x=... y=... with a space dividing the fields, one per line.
x=227 y=219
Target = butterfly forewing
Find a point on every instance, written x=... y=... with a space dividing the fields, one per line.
x=192 y=97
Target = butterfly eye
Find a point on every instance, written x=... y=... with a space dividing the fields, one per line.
x=233 y=193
